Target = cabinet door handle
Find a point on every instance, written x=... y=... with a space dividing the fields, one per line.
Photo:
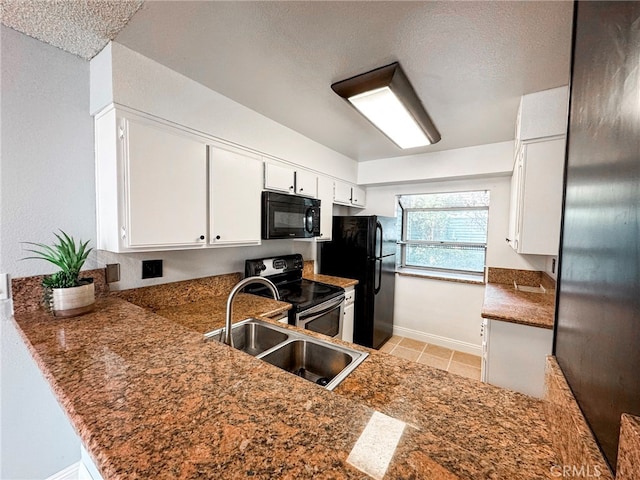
x=217 y=237
x=201 y=237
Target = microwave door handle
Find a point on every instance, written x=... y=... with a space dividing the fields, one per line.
x=308 y=220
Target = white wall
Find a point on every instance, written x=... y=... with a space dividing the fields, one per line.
x=47 y=183
x=439 y=312
x=188 y=264
x=47 y=163
x=144 y=84
x=471 y=162
x=36 y=437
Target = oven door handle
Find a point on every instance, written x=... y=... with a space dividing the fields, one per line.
x=320 y=309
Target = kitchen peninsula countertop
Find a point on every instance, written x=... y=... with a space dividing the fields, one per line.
x=502 y=301
x=150 y=399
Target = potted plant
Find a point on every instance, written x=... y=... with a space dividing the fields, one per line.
x=65 y=293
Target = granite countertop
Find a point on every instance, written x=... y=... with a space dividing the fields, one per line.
x=206 y=315
x=331 y=280
x=503 y=301
x=150 y=399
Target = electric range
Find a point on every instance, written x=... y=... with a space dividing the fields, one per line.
x=316 y=306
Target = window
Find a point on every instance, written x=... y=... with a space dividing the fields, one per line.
x=444 y=232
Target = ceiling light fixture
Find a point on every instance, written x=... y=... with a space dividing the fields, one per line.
x=387 y=99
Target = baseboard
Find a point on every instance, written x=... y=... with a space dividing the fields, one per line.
x=69 y=473
x=446 y=342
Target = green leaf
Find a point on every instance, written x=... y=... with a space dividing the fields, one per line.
x=66 y=254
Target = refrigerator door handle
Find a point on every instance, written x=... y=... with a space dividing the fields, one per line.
x=376 y=288
x=379 y=227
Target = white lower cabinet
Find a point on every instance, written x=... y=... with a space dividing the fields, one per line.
x=514 y=356
x=347 y=324
x=235 y=185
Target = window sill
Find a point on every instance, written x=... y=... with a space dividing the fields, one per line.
x=445 y=276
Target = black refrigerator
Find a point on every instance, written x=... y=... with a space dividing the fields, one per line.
x=364 y=248
x=597 y=340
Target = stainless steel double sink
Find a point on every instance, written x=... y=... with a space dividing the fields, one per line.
x=313 y=359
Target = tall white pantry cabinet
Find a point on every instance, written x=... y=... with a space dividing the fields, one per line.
x=538 y=173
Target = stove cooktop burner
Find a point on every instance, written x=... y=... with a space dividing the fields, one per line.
x=286 y=273
x=302 y=294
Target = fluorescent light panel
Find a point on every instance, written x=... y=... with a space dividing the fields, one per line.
x=383 y=108
x=387 y=99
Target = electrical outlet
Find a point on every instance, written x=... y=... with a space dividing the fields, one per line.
x=5 y=286
x=113 y=272
x=151 y=268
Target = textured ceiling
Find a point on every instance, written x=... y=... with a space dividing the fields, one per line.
x=81 y=27
x=469 y=62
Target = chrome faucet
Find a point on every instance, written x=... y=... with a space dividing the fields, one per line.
x=226 y=335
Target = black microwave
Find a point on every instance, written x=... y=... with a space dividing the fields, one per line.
x=289 y=216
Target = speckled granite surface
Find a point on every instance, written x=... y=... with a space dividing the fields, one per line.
x=337 y=281
x=471 y=429
x=27 y=291
x=628 y=467
x=150 y=399
x=178 y=293
x=308 y=273
x=522 y=277
x=570 y=433
x=503 y=302
x=207 y=315
x=308 y=268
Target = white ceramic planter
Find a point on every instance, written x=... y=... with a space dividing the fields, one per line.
x=69 y=302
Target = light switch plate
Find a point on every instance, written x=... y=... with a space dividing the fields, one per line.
x=5 y=289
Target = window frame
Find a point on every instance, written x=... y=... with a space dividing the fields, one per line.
x=404 y=243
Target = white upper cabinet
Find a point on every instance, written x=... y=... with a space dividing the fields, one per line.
x=358 y=196
x=306 y=183
x=162 y=186
x=286 y=179
x=342 y=193
x=325 y=194
x=279 y=178
x=536 y=213
x=151 y=185
x=235 y=185
x=543 y=114
x=348 y=194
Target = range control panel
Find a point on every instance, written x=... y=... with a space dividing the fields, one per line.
x=266 y=267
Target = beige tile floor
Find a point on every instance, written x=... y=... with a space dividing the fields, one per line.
x=452 y=361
